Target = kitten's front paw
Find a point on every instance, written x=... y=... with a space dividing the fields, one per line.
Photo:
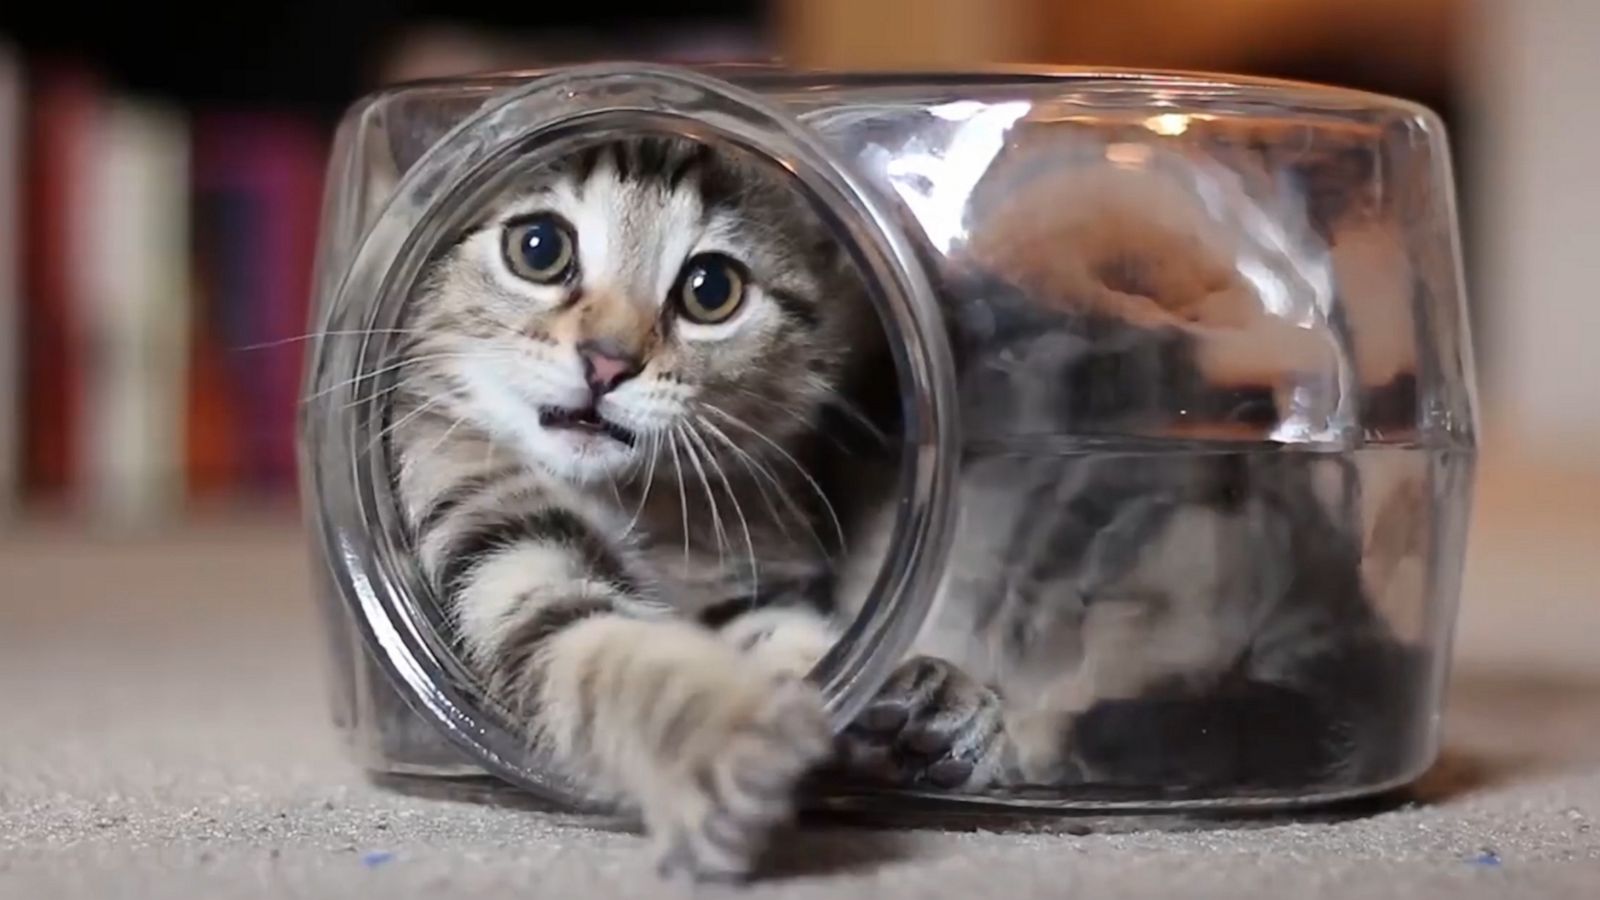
x=931 y=726
x=711 y=820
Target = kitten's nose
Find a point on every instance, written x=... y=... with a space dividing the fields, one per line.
x=606 y=365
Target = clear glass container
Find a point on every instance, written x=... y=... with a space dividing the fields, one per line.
x=1185 y=419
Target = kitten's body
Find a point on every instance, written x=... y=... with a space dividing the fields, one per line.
x=1159 y=621
x=644 y=588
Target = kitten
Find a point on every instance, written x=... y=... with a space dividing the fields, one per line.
x=645 y=435
x=612 y=427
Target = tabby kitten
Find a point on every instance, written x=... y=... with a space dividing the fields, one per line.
x=646 y=443
x=613 y=424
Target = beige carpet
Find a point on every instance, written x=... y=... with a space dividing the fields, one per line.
x=165 y=734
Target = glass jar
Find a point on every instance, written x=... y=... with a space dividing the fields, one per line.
x=1185 y=406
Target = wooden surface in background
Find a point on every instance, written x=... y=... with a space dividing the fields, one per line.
x=1408 y=39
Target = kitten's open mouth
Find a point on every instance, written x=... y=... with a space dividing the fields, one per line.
x=586 y=419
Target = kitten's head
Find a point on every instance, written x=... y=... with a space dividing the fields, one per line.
x=635 y=294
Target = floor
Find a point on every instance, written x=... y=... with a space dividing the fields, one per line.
x=166 y=735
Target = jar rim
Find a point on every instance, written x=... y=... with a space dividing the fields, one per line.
x=997 y=74
x=346 y=479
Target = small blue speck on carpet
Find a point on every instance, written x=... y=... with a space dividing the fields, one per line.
x=376 y=858
x=1487 y=858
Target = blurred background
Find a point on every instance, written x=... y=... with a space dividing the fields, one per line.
x=160 y=175
x=160 y=180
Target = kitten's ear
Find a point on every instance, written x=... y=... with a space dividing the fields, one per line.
x=414 y=129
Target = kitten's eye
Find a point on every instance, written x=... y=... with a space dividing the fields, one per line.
x=540 y=248
x=711 y=288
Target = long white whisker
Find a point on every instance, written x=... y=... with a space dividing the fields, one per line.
x=356 y=332
x=749 y=543
x=488 y=448
x=407 y=381
x=833 y=516
x=711 y=499
x=616 y=492
x=855 y=413
x=403 y=420
x=399 y=364
x=831 y=398
x=654 y=449
x=756 y=468
x=446 y=436
x=683 y=497
x=359 y=378
x=759 y=471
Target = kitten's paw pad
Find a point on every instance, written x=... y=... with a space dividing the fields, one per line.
x=718 y=821
x=931 y=725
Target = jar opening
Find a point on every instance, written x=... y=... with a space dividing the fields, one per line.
x=727 y=325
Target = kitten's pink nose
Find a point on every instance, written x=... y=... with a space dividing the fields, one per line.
x=606 y=365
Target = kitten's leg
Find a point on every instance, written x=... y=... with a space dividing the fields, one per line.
x=1151 y=581
x=709 y=746
x=643 y=707
x=1129 y=649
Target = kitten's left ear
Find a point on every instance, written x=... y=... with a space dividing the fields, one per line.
x=414 y=130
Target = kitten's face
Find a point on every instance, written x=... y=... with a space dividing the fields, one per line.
x=639 y=296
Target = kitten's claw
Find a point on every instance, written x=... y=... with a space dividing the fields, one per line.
x=930 y=726
x=715 y=818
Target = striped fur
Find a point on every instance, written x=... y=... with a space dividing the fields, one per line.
x=643 y=607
